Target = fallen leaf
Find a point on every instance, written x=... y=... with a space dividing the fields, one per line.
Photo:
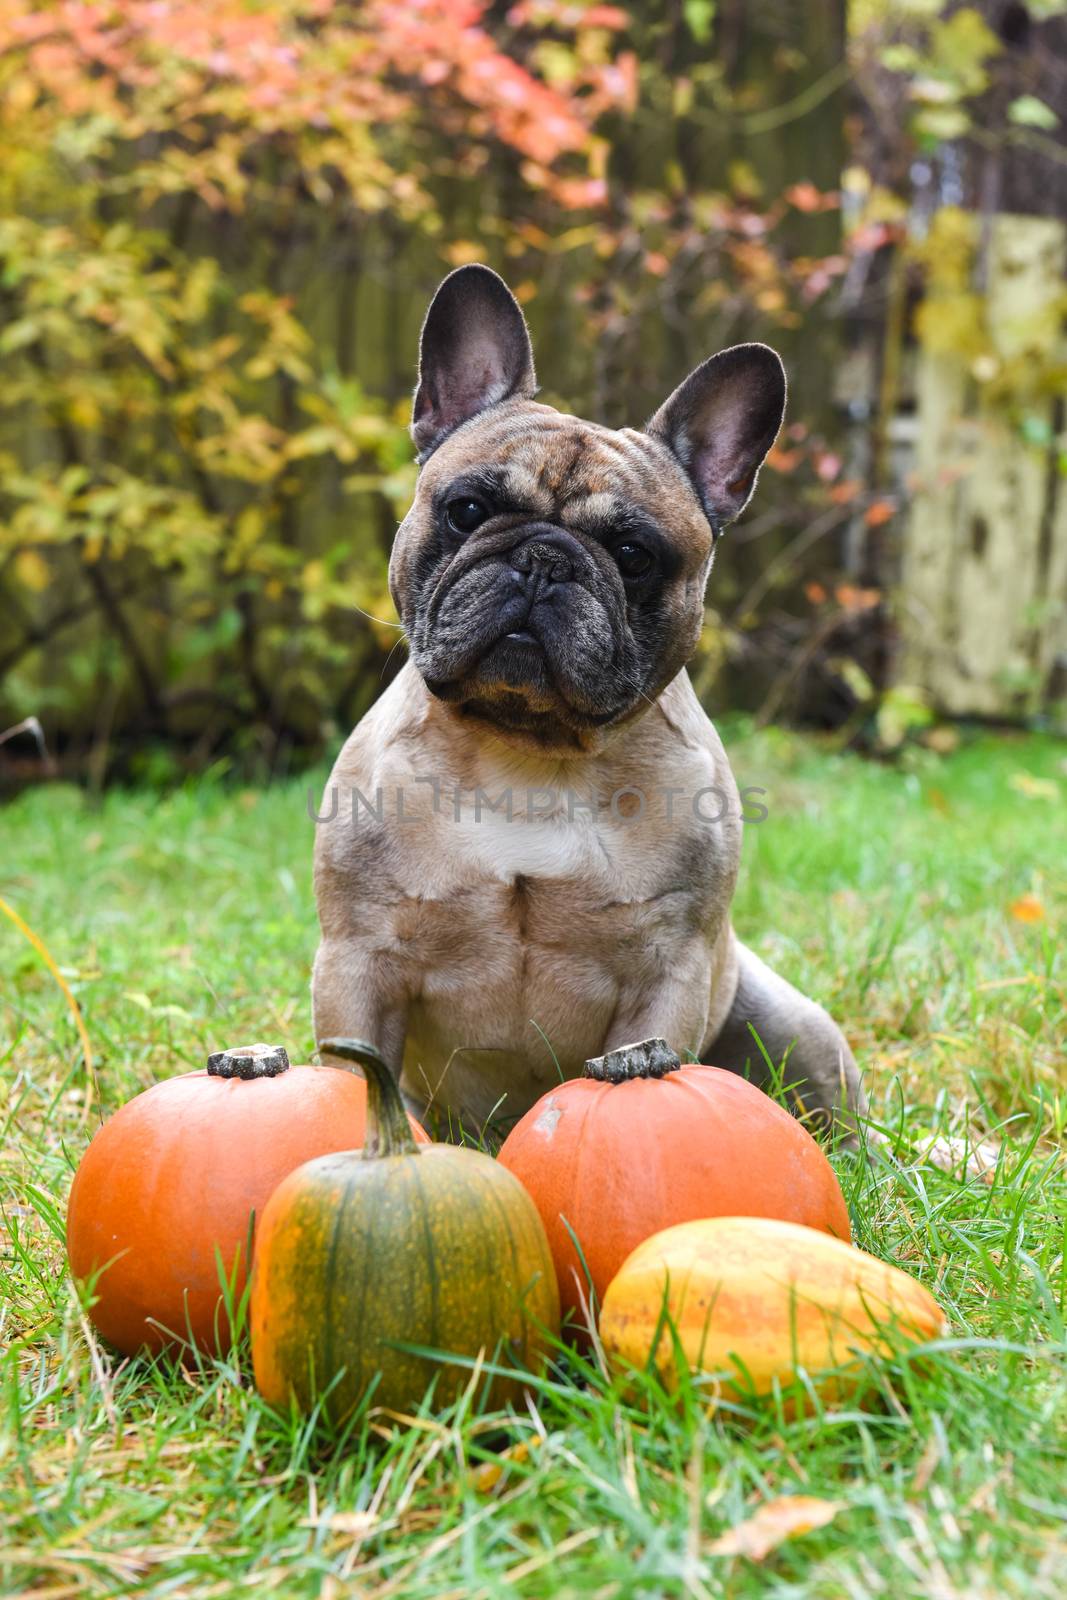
x=356 y=1523
x=773 y=1523
x=968 y=1157
x=929 y=1462
x=486 y=1477
x=943 y=739
x=1027 y=908
x=1034 y=788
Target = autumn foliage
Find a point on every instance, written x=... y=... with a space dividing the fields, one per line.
x=165 y=404
x=219 y=224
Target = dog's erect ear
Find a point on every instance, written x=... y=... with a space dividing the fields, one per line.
x=474 y=352
x=721 y=422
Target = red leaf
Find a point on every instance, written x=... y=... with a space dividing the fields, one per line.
x=855 y=599
x=805 y=196
x=780 y=460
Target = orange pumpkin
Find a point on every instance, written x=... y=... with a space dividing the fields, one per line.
x=641 y=1143
x=169 y=1188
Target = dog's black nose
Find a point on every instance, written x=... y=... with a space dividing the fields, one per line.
x=544 y=558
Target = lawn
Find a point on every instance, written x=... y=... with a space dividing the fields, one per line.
x=920 y=902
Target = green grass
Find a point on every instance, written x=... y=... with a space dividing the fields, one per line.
x=186 y=921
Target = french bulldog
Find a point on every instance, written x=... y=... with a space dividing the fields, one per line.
x=528 y=847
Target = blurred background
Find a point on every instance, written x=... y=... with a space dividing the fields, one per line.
x=220 y=224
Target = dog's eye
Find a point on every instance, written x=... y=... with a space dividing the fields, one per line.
x=634 y=561
x=465 y=514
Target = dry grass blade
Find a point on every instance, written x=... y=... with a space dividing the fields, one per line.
x=72 y=1005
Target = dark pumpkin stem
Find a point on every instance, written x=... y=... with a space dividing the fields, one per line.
x=652 y=1058
x=248 y=1061
x=388 y=1130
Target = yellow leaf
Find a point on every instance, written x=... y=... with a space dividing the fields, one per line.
x=682 y=96
x=84 y=411
x=961 y=46
x=32 y=571
x=486 y=1477
x=744 y=179
x=952 y=324
x=1034 y=788
x=772 y=1524
x=1028 y=908
x=461 y=252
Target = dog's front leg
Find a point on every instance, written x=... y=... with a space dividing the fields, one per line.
x=673 y=1007
x=772 y=1029
x=357 y=992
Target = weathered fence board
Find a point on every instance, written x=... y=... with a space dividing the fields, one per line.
x=984 y=572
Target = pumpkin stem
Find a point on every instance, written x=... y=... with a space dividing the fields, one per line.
x=651 y=1058
x=388 y=1130
x=248 y=1061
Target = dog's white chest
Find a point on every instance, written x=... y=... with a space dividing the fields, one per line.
x=503 y=829
x=491 y=849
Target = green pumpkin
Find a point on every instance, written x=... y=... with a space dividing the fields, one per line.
x=397 y=1244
